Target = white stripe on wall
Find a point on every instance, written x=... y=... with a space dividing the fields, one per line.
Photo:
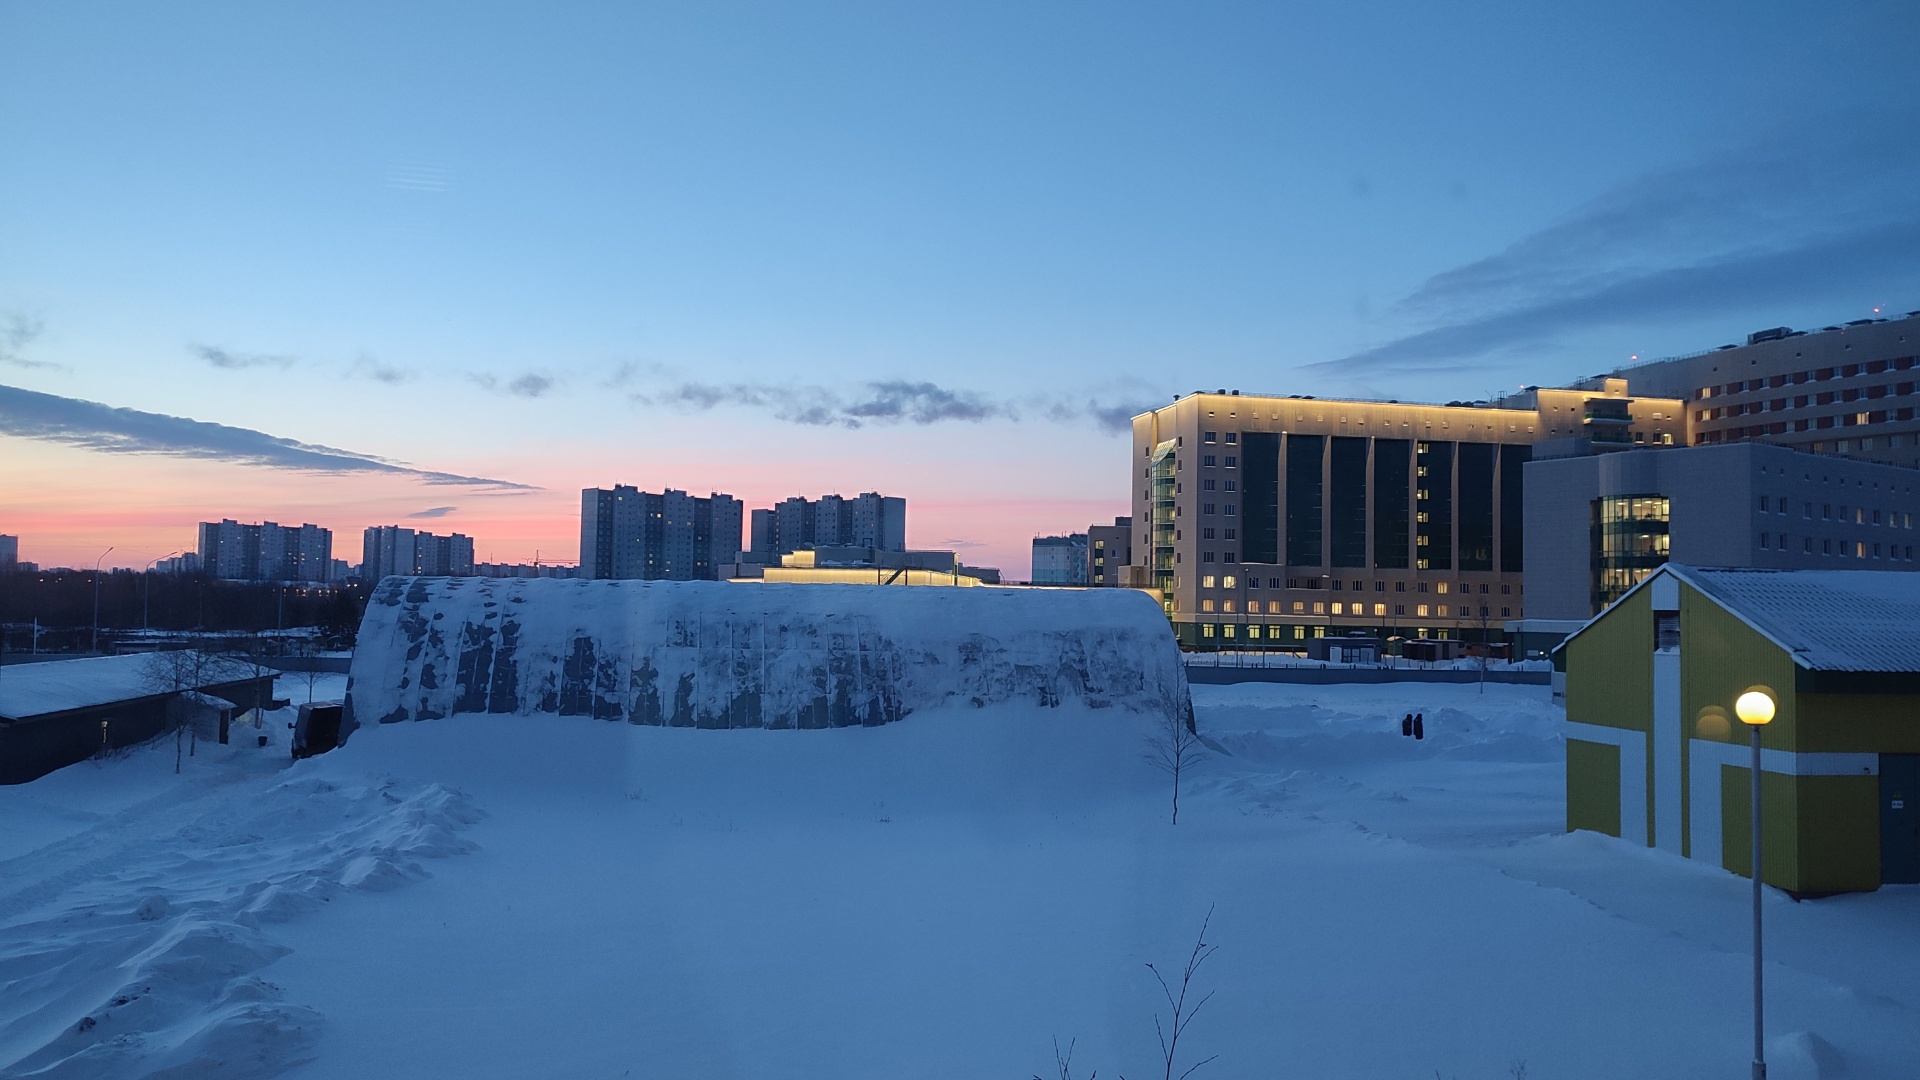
x=1633 y=773
x=1668 y=740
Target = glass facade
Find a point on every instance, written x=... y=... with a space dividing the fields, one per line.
x=1162 y=522
x=1629 y=542
x=1513 y=463
x=1260 y=499
x=1347 y=502
x=1476 y=506
x=1392 y=469
x=1304 y=454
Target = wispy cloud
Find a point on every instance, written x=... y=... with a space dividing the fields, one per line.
x=367 y=367
x=19 y=332
x=434 y=512
x=1792 y=219
x=880 y=402
x=27 y=414
x=233 y=360
x=427 y=176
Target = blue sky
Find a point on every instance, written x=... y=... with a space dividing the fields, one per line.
x=931 y=249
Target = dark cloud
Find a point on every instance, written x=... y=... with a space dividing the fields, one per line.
x=530 y=385
x=369 y=368
x=1796 y=218
x=19 y=332
x=233 y=361
x=27 y=414
x=434 y=512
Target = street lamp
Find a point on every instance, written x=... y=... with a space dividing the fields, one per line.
x=146 y=582
x=95 y=647
x=1755 y=709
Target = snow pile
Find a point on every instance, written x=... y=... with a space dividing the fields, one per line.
x=135 y=948
x=723 y=655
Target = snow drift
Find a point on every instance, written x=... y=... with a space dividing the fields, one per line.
x=725 y=655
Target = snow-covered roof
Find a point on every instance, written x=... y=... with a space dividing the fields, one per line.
x=51 y=686
x=1827 y=620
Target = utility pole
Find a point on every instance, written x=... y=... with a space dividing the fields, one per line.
x=95 y=647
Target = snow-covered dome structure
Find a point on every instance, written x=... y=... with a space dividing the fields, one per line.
x=720 y=654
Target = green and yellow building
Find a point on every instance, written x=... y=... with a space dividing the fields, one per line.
x=1656 y=756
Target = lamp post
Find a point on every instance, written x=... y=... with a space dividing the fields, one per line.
x=95 y=646
x=1755 y=709
x=146 y=582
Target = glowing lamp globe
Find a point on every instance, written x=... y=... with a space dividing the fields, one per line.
x=1753 y=707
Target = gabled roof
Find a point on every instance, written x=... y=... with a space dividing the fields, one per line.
x=51 y=686
x=1827 y=620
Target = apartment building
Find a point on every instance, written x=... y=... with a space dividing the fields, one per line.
x=869 y=520
x=392 y=549
x=1109 y=552
x=1060 y=560
x=1846 y=390
x=654 y=536
x=266 y=551
x=1267 y=521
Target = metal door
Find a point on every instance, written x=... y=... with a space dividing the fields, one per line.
x=1900 y=819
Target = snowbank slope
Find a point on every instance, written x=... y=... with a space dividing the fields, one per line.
x=721 y=655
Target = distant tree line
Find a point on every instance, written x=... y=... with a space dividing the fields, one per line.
x=62 y=603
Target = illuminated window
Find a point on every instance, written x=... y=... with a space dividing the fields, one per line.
x=1379 y=609
x=1443 y=611
x=1226 y=630
x=1299 y=608
x=1227 y=582
x=1206 y=629
x=1206 y=581
x=1226 y=605
x=1336 y=607
x=1253 y=631
x=1319 y=608
x=1441 y=588
x=1421 y=612
x=1206 y=605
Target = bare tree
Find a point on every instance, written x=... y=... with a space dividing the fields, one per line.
x=173 y=671
x=1063 y=1063
x=1173 y=747
x=1182 y=1015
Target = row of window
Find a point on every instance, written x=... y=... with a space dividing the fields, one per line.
x=1256 y=632
x=1209 y=436
x=1802 y=401
x=1857 y=549
x=1336 y=607
x=1229 y=581
x=1822 y=423
x=1859 y=515
x=1207 y=461
x=1207 y=484
x=1774 y=382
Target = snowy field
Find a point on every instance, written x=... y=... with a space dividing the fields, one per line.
x=941 y=897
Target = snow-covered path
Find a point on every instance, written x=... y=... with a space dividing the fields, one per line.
x=939 y=897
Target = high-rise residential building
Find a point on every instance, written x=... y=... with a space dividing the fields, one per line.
x=9 y=551
x=387 y=550
x=265 y=552
x=1846 y=390
x=1060 y=560
x=669 y=535
x=1109 y=552
x=869 y=520
x=1267 y=521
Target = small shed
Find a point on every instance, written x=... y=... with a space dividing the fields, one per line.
x=1656 y=756
x=1351 y=649
x=54 y=713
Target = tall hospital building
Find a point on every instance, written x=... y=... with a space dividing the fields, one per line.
x=1266 y=521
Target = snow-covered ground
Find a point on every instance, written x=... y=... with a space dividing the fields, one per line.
x=493 y=896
